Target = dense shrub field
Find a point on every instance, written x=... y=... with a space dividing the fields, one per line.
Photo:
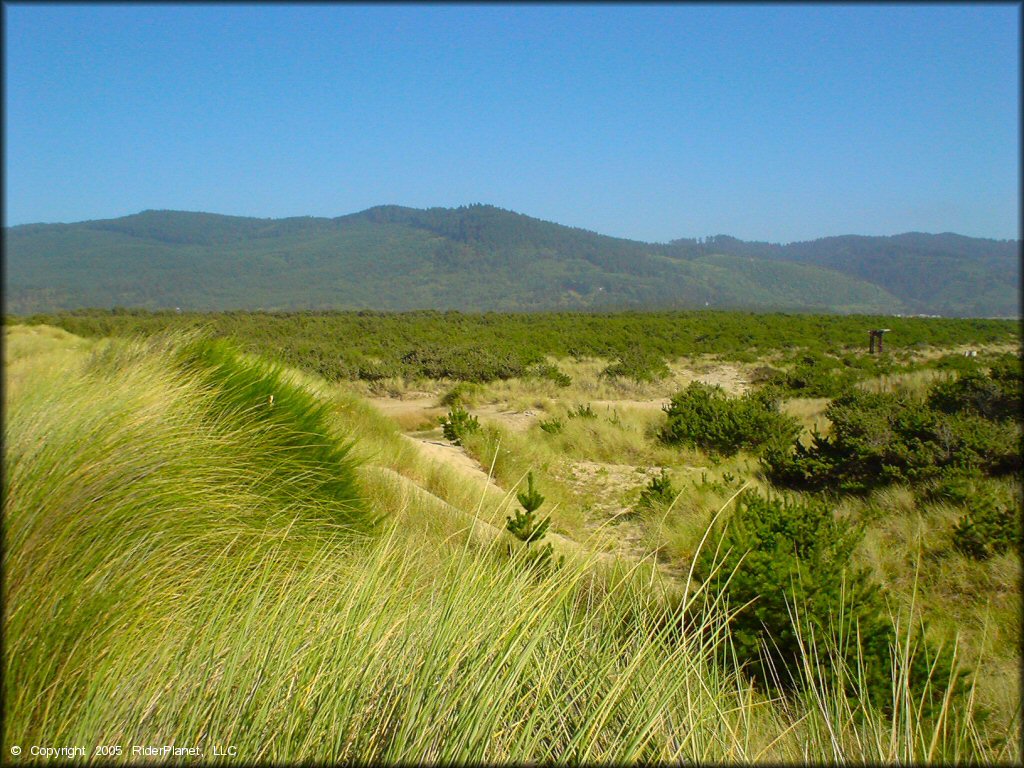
x=969 y=425
x=481 y=347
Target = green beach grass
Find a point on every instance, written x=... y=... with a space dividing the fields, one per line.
x=188 y=562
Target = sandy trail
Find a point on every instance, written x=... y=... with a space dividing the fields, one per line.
x=438 y=449
x=608 y=521
x=410 y=401
x=517 y=421
x=395 y=406
x=731 y=378
x=431 y=444
x=486 y=533
x=411 y=412
x=640 y=405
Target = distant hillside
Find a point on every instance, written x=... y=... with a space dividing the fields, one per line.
x=484 y=258
x=943 y=274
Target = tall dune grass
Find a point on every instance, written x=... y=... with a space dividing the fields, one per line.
x=186 y=565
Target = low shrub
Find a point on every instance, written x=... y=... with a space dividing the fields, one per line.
x=552 y=426
x=765 y=374
x=785 y=569
x=637 y=364
x=458 y=424
x=815 y=376
x=868 y=364
x=466 y=363
x=991 y=525
x=526 y=526
x=704 y=416
x=951 y=487
x=462 y=393
x=582 y=412
x=377 y=370
x=723 y=486
x=882 y=438
x=551 y=373
x=777 y=555
x=959 y=363
x=658 y=493
x=996 y=396
x=1008 y=370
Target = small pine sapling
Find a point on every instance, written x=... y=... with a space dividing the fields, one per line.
x=582 y=412
x=658 y=493
x=552 y=426
x=458 y=424
x=526 y=526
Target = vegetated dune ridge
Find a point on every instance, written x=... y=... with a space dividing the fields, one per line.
x=189 y=561
x=608 y=521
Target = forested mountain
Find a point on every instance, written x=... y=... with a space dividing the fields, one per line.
x=943 y=274
x=480 y=257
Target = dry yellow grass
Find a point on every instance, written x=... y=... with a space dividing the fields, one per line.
x=915 y=383
x=810 y=412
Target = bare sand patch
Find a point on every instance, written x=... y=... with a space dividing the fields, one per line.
x=412 y=412
x=731 y=378
x=640 y=405
x=443 y=451
x=409 y=402
x=610 y=521
x=518 y=421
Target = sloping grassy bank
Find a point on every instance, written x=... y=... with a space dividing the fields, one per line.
x=188 y=563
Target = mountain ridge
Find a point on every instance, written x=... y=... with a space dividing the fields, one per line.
x=481 y=257
x=372 y=210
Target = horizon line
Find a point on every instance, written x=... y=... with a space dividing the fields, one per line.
x=508 y=210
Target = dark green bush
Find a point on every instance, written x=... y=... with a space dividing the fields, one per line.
x=724 y=485
x=990 y=526
x=461 y=393
x=786 y=570
x=332 y=370
x=1008 y=370
x=765 y=374
x=526 y=526
x=778 y=555
x=375 y=370
x=305 y=338
x=952 y=487
x=996 y=396
x=878 y=439
x=551 y=373
x=552 y=426
x=959 y=363
x=638 y=364
x=866 y=365
x=458 y=424
x=465 y=363
x=815 y=375
x=582 y=412
x=704 y=416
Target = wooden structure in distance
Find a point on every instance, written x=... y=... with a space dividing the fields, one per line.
x=876 y=334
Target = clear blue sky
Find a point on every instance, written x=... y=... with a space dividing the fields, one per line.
x=767 y=122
